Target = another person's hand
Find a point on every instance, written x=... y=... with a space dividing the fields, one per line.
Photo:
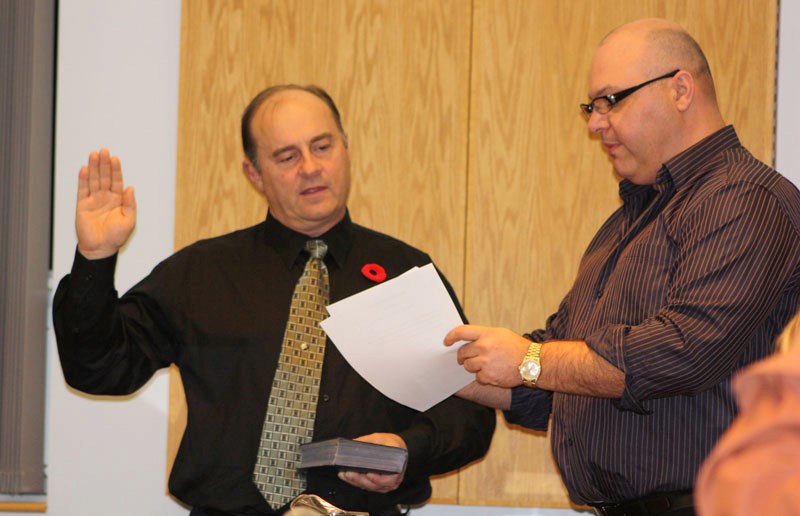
x=377 y=482
x=493 y=354
x=106 y=214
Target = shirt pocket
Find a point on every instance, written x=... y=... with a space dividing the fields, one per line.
x=641 y=279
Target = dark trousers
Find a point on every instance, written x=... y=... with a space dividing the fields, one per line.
x=666 y=504
x=196 y=511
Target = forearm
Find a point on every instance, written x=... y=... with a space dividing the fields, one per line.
x=95 y=354
x=83 y=308
x=572 y=367
x=448 y=436
x=495 y=355
x=486 y=395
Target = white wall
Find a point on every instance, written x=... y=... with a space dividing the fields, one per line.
x=787 y=148
x=117 y=87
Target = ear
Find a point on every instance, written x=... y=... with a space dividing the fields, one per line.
x=253 y=175
x=683 y=90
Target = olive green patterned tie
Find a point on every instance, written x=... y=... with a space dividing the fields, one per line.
x=292 y=405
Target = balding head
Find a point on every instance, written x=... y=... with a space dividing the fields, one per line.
x=664 y=45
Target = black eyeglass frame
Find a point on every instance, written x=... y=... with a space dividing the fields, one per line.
x=614 y=98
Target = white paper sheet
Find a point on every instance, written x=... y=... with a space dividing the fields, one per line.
x=393 y=335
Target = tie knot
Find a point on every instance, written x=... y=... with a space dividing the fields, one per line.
x=316 y=248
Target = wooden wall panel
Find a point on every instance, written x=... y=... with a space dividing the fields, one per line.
x=399 y=72
x=539 y=186
x=466 y=140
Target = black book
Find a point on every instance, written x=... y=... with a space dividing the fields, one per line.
x=352 y=454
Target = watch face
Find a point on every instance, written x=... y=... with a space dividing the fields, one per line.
x=530 y=370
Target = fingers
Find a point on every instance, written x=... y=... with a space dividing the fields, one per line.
x=116 y=174
x=465 y=353
x=105 y=170
x=128 y=201
x=467 y=332
x=376 y=482
x=385 y=439
x=102 y=173
x=94 y=172
x=83 y=183
x=492 y=354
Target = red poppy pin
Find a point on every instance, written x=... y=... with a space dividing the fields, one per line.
x=373 y=272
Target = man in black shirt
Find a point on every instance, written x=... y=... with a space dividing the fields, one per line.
x=218 y=309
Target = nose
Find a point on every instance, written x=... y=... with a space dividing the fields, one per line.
x=310 y=164
x=597 y=122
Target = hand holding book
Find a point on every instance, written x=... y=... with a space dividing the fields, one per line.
x=353 y=454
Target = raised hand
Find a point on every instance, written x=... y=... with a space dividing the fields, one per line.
x=106 y=214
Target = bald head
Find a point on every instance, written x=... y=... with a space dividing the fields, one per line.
x=664 y=45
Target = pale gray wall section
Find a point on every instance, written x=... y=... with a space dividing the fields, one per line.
x=787 y=148
x=117 y=88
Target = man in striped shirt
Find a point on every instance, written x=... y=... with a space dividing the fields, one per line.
x=688 y=281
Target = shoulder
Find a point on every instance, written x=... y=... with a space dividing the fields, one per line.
x=368 y=240
x=743 y=182
x=220 y=248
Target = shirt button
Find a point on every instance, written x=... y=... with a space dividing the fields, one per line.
x=325 y=397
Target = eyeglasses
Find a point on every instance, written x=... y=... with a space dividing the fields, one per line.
x=604 y=103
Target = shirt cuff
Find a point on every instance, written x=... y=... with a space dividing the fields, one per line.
x=609 y=343
x=91 y=275
x=529 y=408
x=418 y=444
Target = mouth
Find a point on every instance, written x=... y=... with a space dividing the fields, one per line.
x=610 y=147
x=312 y=190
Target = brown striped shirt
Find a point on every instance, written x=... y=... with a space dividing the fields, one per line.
x=689 y=280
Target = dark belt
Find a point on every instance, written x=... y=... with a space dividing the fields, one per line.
x=395 y=510
x=667 y=503
x=197 y=511
x=391 y=511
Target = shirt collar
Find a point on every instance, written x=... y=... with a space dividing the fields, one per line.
x=699 y=159
x=687 y=166
x=290 y=244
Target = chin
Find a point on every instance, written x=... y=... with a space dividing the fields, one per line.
x=324 y=216
x=633 y=175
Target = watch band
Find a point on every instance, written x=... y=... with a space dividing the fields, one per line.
x=531 y=361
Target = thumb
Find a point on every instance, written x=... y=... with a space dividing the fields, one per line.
x=459 y=333
x=129 y=201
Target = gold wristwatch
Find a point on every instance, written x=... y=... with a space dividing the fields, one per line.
x=531 y=366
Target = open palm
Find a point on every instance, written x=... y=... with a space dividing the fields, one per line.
x=106 y=213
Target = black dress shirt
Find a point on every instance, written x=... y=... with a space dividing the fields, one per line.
x=691 y=279
x=218 y=310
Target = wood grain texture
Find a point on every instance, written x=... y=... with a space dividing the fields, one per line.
x=399 y=72
x=23 y=507
x=466 y=140
x=538 y=190
x=539 y=186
